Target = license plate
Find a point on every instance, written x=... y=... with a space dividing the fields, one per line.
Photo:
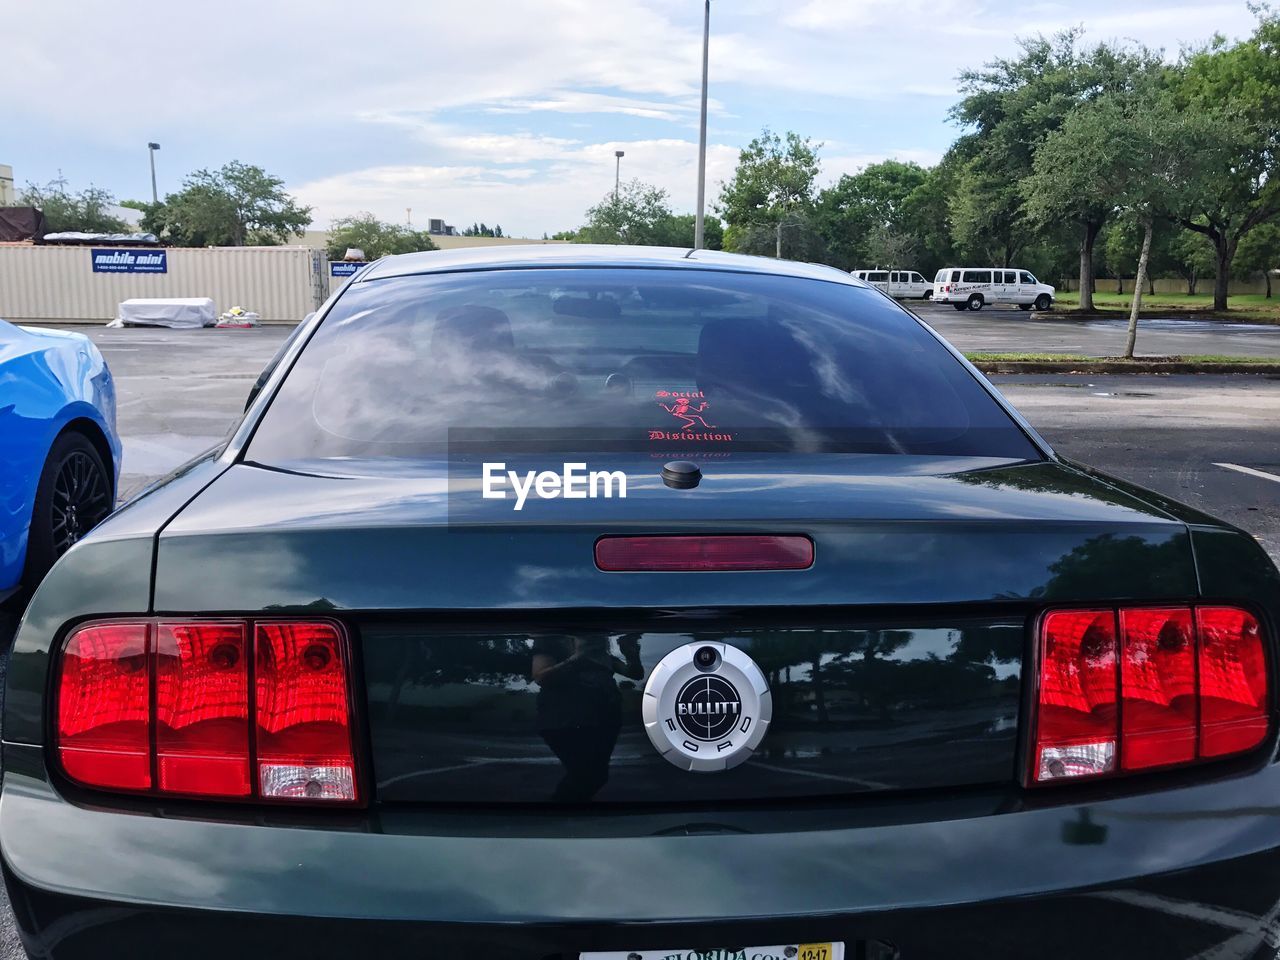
x=786 y=951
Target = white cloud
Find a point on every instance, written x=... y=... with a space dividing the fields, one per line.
x=576 y=101
x=515 y=106
x=553 y=199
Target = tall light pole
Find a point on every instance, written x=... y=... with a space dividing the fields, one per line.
x=151 y=152
x=698 y=243
x=617 y=173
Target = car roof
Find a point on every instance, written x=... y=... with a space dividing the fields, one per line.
x=526 y=256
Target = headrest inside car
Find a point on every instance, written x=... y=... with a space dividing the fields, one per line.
x=757 y=356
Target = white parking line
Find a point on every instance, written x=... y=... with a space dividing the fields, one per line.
x=1249 y=470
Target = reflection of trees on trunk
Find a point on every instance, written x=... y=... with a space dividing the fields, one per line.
x=1041 y=478
x=825 y=653
x=989 y=646
x=851 y=671
x=776 y=651
x=422 y=661
x=819 y=695
x=823 y=675
x=1115 y=560
x=871 y=675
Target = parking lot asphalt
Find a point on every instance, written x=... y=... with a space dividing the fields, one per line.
x=1210 y=440
x=1008 y=329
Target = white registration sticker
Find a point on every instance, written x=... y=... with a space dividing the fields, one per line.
x=829 y=950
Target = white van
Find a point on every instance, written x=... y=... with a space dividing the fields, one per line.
x=900 y=284
x=972 y=288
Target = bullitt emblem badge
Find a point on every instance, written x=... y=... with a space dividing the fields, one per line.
x=706 y=707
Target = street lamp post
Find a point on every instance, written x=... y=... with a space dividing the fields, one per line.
x=617 y=172
x=151 y=152
x=698 y=243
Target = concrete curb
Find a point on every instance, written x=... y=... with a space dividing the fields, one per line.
x=1068 y=313
x=1120 y=366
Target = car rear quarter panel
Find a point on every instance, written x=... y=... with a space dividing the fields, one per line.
x=107 y=574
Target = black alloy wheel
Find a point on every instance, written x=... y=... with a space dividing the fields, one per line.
x=74 y=495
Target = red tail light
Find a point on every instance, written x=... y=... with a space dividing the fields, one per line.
x=164 y=707
x=304 y=722
x=1189 y=684
x=202 y=709
x=1233 y=681
x=734 y=552
x=1158 y=687
x=104 y=706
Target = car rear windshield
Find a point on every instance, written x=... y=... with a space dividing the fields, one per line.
x=651 y=360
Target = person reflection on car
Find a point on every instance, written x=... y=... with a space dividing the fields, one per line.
x=580 y=706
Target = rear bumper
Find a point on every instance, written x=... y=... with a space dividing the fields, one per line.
x=1106 y=925
x=1166 y=874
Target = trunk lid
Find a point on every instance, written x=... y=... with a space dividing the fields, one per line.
x=894 y=662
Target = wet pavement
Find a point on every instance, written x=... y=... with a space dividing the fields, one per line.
x=1209 y=440
x=1008 y=330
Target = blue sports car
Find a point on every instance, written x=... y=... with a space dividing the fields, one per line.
x=59 y=450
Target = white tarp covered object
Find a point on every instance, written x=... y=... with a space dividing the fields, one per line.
x=182 y=313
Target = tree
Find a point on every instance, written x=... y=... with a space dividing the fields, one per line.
x=677 y=230
x=633 y=214
x=889 y=247
x=1121 y=242
x=882 y=213
x=924 y=213
x=1077 y=173
x=375 y=237
x=772 y=186
x=236 y=205
x=639 y=214
x=88 y=211
x=1136 y=152
x=1240 y=82
x=481 y=230
x=1014 y=105
x=1167 y=155
x=987 y=219
x=796 y=235
x=1259 y=253
x=1121 y=239
x=1077 y=170
x=1192 y=256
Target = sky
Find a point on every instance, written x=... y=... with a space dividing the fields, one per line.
x=507 y=111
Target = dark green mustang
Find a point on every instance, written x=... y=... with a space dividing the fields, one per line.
x=573 y=602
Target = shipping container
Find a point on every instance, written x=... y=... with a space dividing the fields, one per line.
x=67 y=284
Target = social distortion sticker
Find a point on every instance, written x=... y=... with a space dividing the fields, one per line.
x=690 y=411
